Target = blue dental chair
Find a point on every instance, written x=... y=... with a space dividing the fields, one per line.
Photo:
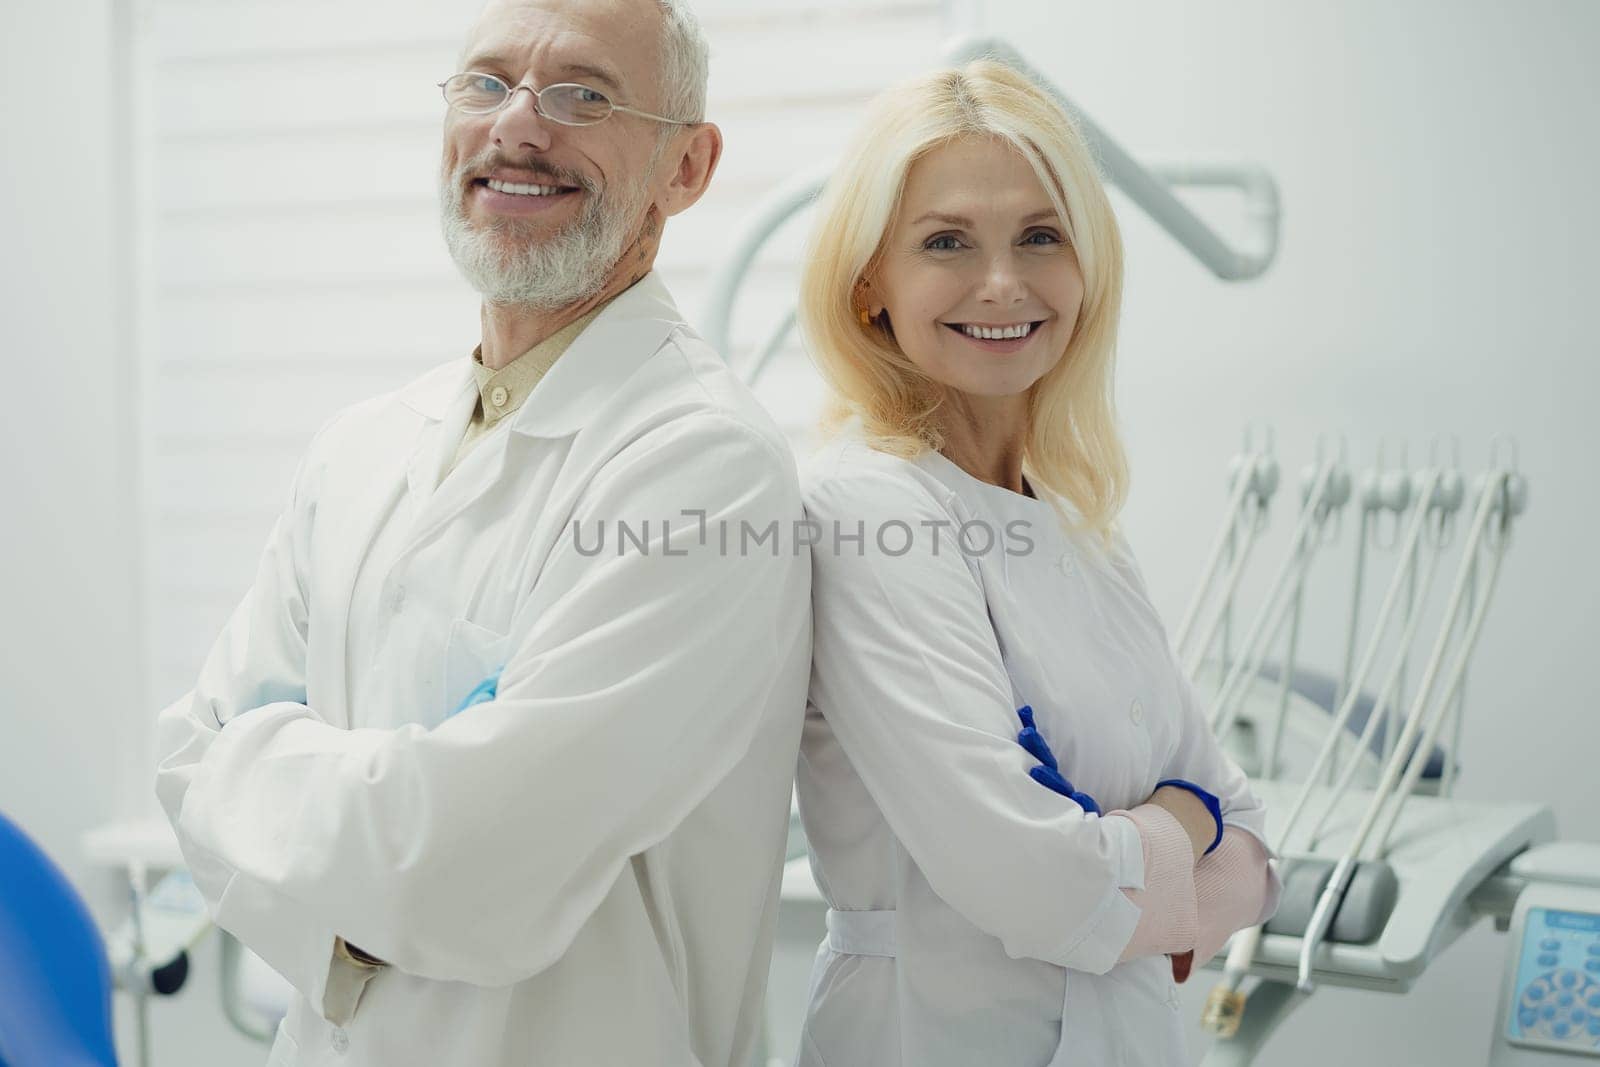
x=55 y=981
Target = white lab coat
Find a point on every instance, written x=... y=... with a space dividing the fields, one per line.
x=977 y=917
x=583 y=871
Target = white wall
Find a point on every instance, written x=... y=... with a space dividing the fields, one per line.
x=68 y=670
x=1437 y=272
x=71 y=663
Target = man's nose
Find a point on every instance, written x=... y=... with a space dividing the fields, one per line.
x=518 y=126
x=1002 y=282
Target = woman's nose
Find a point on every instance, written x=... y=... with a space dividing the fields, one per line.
x=1002 y=282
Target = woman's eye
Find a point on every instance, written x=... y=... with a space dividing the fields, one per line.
x=943 y=243
x=1049 y=238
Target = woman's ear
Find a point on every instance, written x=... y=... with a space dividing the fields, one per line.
x=867 y=298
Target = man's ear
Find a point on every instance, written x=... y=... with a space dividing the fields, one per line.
x=698 y=149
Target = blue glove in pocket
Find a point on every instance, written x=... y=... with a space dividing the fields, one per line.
x=483 y=693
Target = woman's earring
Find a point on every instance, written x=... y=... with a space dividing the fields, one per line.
x=866 y=318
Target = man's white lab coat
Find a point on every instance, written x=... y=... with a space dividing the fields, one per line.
x=583 y=871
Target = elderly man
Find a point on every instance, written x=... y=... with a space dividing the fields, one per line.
x=493 y=762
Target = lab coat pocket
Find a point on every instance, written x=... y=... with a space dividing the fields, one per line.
x=285 y=1052
x=472 y=653
x=1088 y=1024
x=1147 y=1012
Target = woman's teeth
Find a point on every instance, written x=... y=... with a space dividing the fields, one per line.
x=998 y=333
x=520 y=189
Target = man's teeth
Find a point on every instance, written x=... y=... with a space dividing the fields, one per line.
x=998 y=333
x=521 y=189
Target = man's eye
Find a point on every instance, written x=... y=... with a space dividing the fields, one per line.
x=484 y=83
x=591 y=96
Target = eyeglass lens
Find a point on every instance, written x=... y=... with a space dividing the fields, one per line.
x=576 y=105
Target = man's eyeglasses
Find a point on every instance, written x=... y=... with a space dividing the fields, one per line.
x=568 y=103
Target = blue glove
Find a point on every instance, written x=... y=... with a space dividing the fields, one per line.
x=482 y=694
x=1048 y=774
x=1213 y=805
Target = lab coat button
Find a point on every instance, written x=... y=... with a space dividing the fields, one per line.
x=399 y=599
x=498 y=396
x=340 y=1040
x=1065 y=563
x=1136 y=713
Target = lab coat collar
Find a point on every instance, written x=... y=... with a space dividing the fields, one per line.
x=625 y=334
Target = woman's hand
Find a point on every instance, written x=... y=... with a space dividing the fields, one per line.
x=1191 y=813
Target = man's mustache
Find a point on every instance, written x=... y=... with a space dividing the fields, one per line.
x=485 y=163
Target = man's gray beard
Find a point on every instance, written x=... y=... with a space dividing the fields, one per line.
x=557 y=271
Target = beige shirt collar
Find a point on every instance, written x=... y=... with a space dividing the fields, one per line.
x=502 y=391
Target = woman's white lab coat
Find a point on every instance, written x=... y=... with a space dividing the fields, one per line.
x=976 y=916
x=584 y=870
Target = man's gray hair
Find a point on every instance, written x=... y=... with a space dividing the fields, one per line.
x=685 y=63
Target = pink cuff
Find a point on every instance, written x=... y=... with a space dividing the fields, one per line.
x=1168 y=912
x=1233 y=887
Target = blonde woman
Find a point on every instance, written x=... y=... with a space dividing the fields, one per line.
x=993 y=902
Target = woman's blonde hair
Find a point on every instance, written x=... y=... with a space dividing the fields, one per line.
x=1072 y=446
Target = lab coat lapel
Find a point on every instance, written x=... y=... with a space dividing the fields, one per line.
x=374 y=475
x=434 y=498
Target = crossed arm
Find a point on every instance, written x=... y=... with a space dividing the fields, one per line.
x=298 y=831
x=1229 y=887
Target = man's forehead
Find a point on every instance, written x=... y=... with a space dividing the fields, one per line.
x=616 y=33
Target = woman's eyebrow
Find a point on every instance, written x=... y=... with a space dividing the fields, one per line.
x=939 y=216
x=961 y=220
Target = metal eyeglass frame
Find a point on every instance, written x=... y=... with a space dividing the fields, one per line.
x=538 y=105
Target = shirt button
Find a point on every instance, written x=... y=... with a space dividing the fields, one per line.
x=1065 y=563
x=498 y=396
x=340 y=1040
x=399 y=599
x=1136 y=713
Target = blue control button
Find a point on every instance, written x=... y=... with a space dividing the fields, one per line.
x=1547 y=1012
x=1567 y=979
x=1550 y=944
x=1536 y=990
x=1564 y=1000
x=1548 y=960
x=1528 y=1017
x=1578 y=1016
x=1594 y=1000
x=1593 y=965
x=1561 y=1030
